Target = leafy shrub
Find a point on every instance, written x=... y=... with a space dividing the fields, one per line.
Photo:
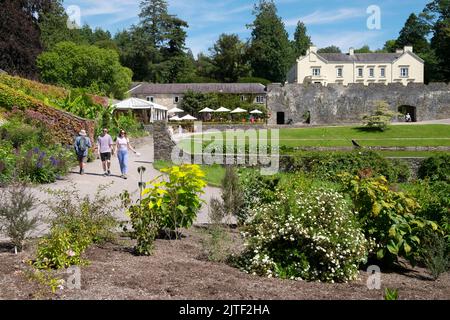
x=7 y=162
x=145 y=222
x=388 y=217
x=16 y=204
x=256 y=191
x=165 y=205
x=435 y=254
x=380 y=118
x=29 y=152
x=310 y=235
x=76 y=222
x=328 y=166
x=89 y=215
x=61 y=249
x=436 y=168
x=232 y=194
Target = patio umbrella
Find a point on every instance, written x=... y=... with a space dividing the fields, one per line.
x=188 y=118
x=175 y=110
x=239 y=110
x=222 y=109
x=176 y=118
x=206 y=110
x=256 y=112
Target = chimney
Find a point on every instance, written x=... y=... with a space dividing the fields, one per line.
x=312 y=49
x=351 y=52
x=408 y=49
x=399 y=51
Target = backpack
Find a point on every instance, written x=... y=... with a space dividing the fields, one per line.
x=82 y=145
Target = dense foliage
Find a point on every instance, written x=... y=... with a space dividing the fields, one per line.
x=29 y=153
x=76 y=223
x=305 y=234
x=66 y=65
x=329 y=165
x=436 y=168
x=165 y=204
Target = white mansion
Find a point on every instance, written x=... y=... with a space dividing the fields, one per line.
x=403 y=67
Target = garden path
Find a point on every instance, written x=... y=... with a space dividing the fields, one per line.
x=88 y=183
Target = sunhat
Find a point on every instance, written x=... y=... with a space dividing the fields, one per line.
x=82 y=133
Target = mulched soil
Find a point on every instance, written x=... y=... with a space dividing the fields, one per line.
x=180 y=270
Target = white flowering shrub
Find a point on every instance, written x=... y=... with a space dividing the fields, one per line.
x=305 y=236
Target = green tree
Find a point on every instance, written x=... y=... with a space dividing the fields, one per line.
x=414 y=33
x=363 y=49
x=390 y=46
x=330 y=49
x=20 y=35
x=84 y=66
x=229 y=58
x=437 y=15
x=53 y=26
x=301 y=42
x=270 y=50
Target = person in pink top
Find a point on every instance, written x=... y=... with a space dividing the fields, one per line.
x=122 y=147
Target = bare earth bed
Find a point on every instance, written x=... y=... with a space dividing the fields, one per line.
x=179 y=270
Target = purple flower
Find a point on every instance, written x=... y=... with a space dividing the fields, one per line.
x=54 y=161
x=36 y=150
x=39 y=165
x=42 y=156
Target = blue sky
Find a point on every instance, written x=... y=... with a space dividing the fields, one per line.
x=329 y=22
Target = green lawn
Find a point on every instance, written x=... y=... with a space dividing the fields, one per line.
x=214 y=173
x=395 y=136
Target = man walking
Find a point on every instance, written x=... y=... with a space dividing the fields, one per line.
x=105 y=150
x=82 y=145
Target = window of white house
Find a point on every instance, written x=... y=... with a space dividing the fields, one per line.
x=371 y=72
x=316 y=72
x=242 y=98
x=176 y=99
x=360 y=72
x=383 y=72
x=404 y=72
x=150 y=98
x=260 y=99
x=340 y=72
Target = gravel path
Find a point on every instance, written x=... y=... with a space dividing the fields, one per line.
x=88 y=183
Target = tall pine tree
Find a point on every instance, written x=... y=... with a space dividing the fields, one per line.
x=301 y=42
x=270 y=50
x=414 y=33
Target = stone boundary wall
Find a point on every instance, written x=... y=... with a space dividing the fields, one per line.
x=163 y=145
x=338 y=104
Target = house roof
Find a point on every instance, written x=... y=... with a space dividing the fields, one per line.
x=180 y=88
x=360 y=57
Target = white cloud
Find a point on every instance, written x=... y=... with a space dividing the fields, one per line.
x=327 y=17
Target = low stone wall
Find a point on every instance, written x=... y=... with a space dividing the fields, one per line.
x=338 y=104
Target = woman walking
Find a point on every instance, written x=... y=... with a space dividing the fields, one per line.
x=122 y=147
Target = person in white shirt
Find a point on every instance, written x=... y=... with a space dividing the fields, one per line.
x=122 y=147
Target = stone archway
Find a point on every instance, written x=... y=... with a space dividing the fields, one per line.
x=405 y=109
